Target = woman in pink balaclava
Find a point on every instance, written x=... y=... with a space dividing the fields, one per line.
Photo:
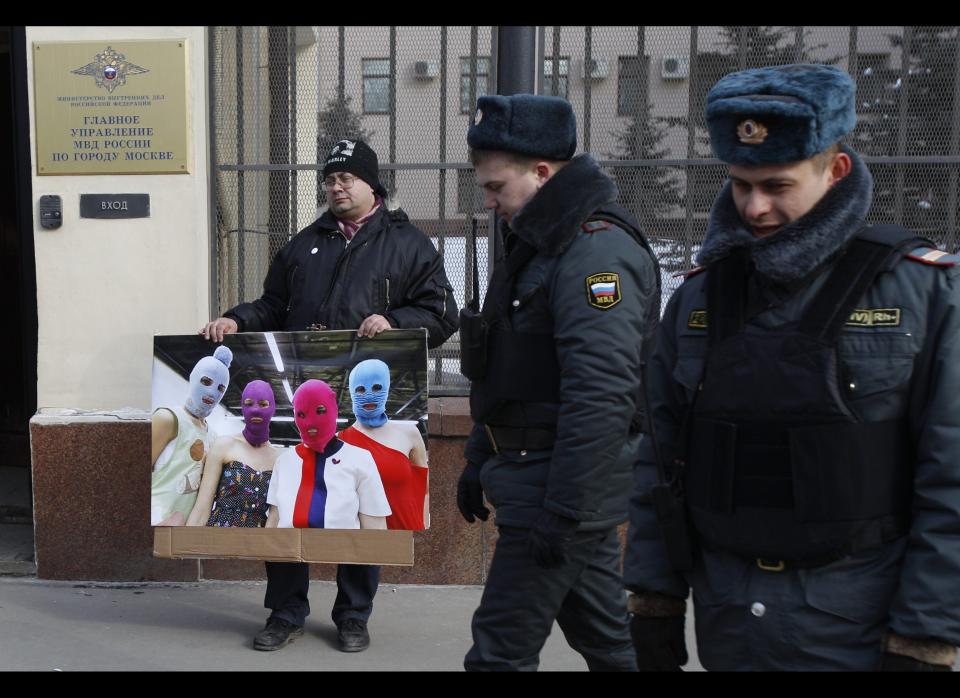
x=233 y=491
x=324 y=482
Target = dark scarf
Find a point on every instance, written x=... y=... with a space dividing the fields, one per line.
x=349 y=228
x=800 y=247
x=551 y=219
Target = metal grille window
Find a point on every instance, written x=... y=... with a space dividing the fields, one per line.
x=563 y=72
x=481 y=77
x=376 y=85
x=867 y=63
x=469 y=195
x=282 y=96
x=631 y=83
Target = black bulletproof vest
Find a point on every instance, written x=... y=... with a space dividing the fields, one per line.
x=522 y=378
x=778 y=465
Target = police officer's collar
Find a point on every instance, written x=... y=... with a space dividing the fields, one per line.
x=798 y=249
x=551 y=219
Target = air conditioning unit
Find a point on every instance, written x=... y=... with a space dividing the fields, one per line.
x=561 y=67
x=594 y=69
x=426 y=70
x=674 y=67
x=304 y=36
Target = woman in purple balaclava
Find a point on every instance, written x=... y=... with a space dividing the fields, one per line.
x=236 y=477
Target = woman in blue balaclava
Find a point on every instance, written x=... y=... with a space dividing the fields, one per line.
x=236 y=477
x=181 y=439
x=397 y=447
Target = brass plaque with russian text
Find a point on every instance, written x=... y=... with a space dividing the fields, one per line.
x=111 y=107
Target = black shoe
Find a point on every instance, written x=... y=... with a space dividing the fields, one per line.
x=276 y=634
x=353 y=636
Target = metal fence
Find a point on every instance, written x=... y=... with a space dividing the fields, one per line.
x=281 y=96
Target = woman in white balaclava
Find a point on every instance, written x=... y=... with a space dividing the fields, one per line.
x=181 y=439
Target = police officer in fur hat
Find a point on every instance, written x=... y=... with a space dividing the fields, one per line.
x=806 y=399
x=554 y=360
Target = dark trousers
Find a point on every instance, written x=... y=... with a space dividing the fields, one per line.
x=288 y=582
x=522 y=600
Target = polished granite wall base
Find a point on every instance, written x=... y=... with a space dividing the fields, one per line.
x=91 y=490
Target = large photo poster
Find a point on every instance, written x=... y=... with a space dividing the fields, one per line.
x=288 y=430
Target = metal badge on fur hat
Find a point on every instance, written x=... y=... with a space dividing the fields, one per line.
x=525 y=124
x=780 y=114
x=357 y=158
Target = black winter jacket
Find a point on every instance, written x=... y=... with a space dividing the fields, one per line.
x=587 y=474
x=318 y=281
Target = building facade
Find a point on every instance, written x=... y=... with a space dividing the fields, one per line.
x=263 y=106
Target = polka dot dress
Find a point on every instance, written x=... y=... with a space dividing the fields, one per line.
x=241 y=497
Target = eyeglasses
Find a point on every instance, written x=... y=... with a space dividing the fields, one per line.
x=345 y=180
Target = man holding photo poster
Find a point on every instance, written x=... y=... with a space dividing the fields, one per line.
x=361 y=266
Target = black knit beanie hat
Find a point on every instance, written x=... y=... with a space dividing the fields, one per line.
x=357 y=158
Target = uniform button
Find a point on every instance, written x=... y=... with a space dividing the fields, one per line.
x=758 y=609
x=853 y=386
x=516 y=303
x=314 y=250
x=523 y=453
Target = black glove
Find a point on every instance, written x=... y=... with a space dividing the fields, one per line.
x=659 y=642
x=470 y=494
x=901 y=662
x=549 y=538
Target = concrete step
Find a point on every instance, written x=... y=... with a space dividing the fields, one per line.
x=17 y=568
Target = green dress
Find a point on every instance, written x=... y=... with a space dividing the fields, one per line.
x=174 y=484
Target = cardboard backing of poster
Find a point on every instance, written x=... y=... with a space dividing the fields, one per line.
x=285 y=545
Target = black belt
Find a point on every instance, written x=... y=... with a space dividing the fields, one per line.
x=774 y=564
x=768 y=564
x=892 y=528
x=520 y=438
x=771 y=565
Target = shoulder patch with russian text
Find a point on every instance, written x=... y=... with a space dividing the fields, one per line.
x=697 y=320
x=874 y=317
x=603 y=290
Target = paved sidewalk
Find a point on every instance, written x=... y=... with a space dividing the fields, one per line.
x=71 y=626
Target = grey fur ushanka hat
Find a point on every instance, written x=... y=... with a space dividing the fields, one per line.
x=534 y=125
x=779 y=114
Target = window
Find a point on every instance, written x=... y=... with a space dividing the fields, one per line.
x=867 y=63
x=376 y=85
x=563 y=70
x=877 y=106
x=482 y=77
x=632 y=72
x=469 y=195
